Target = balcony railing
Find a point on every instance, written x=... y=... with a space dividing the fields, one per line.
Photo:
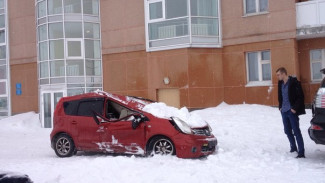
x=310 y=19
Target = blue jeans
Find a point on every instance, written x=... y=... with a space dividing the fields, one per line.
x=291 y=128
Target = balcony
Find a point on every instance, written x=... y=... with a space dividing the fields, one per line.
x=310 y=19
x=174 y=24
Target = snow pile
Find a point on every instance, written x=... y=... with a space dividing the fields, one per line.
x=161 y=110
x=21 y=122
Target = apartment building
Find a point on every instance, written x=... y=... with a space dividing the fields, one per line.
x=194 y=53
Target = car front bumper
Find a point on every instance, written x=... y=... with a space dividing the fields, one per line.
x=194 y=146
x=318 y=136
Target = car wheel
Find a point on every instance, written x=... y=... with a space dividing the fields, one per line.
x=64 y=146
x=161 y=146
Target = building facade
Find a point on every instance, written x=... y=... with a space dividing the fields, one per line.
x=194 y=53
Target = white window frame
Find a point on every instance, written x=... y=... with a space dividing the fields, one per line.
x=163 y=11
x=6 y=84
x=217 y=43
x=322 y=61
x=257 y=12
x=67 y=48
x=260 y=81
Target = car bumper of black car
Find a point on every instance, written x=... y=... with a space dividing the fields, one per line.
x=318 y=136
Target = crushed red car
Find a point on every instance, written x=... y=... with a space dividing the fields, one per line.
x=104 y=122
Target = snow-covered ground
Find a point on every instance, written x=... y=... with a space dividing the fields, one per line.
x=252 y=148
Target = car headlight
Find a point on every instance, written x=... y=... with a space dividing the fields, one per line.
x=182 y=125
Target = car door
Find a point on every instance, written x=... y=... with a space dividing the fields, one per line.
x=118 y=136
x=88 y=136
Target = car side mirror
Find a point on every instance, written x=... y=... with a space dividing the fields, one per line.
x=137 y=119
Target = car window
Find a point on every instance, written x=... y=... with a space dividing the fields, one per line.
x=115 y=111
x=70 y=107
x=86 y=108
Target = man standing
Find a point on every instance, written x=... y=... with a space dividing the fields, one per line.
x=291 y=105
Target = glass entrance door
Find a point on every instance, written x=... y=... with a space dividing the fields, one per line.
x=49 y=99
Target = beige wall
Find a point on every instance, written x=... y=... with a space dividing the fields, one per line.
x=26 y=74
x=122 y=24
x=279 y=23
x=22 y=31
x=23 y=55
x=197 y=73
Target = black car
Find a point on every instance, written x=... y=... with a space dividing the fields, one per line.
x=13 y=177
x=317 y=128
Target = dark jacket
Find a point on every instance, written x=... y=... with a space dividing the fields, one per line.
x=296 y=95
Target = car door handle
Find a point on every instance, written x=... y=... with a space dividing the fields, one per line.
x=74 y=122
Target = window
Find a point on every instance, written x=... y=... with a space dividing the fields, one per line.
x=93 y=68
x=175 y=9
x=44 y=69
x=156 y=10
x=57 y=68
x=55 y=30
x=91 y=30
x=3 y=52
x=41 y=9
x=72 y=6
x=116 y=111
x=163 y=11
x=3 y=72
x=204 y=8
x=43 y=51
x=92 y=49
x=56 y=49
x=3 y=103
x=73 y=29
x=3 y=88
x=87 y=108
x=258 y=66
x=2 y=21
x=70 y=108
x=78 y=91
x=2 y=4
x=74 y=48
x=42 y=33
x=54 y=7
x=170 y=25
x=75 y=67
x=255 y=6
x=2 y=36
x=317 y=62
x=91 y=7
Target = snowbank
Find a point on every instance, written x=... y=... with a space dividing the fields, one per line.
x=161 y=110
x=25 y=121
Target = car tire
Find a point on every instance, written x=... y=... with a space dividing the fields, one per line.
x=161 y=146
x=64 y=146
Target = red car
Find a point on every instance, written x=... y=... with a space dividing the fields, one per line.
x=112 y=123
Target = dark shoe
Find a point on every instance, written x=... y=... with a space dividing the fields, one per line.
x=293 y=150
x=301 y=156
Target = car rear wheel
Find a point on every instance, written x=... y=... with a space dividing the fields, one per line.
x=64 y=146
x=161 y=146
